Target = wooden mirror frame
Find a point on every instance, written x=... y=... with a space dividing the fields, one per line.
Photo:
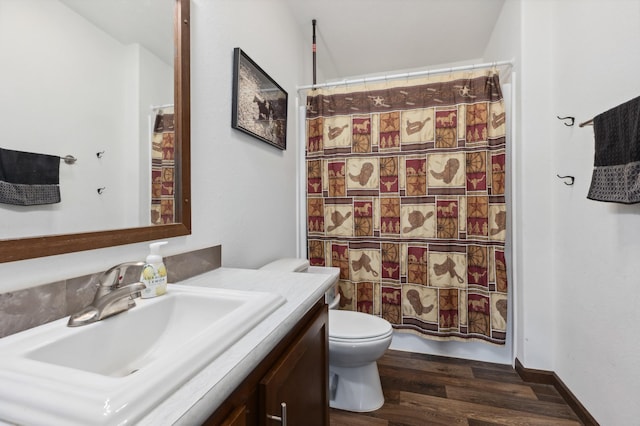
x=29 y=248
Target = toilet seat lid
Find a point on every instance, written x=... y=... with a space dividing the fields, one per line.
x=356 y=325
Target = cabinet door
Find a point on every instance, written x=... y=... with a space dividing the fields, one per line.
x=237 y=418
x=300 y=379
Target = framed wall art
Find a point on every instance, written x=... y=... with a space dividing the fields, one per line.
x=259 y=103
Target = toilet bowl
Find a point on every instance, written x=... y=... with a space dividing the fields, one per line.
x=356 y=342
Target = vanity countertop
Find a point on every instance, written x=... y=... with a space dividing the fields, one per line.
x=196 y=399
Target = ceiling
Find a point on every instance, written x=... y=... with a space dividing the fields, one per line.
x=364 y=37
x=353 y=37
x=149 y=23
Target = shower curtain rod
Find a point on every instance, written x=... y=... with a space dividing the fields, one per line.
x=406 y=75
x=154 y=107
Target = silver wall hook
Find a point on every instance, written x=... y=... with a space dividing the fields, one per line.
x=101 y=190
x=69 y=159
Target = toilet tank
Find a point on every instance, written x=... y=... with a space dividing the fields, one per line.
x=331 y=297
x=288 y=265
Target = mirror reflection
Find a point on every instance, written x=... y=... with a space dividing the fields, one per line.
x=93 y=79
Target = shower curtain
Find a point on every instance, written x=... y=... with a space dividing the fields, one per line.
x=406 y=195
x=163 y=168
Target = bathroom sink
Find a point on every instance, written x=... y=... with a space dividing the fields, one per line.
x=115 y=370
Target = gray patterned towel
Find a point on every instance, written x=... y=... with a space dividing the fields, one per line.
x=616 y=171
x=28 y=179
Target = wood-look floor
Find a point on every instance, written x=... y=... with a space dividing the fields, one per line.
x=429 y=390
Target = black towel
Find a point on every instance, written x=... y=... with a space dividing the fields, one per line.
x=28 y=179
x=616 y=172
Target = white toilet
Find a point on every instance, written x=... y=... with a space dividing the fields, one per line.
x=356 y=342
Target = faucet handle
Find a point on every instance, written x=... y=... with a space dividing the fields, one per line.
x=113 y=276
x=113 y=302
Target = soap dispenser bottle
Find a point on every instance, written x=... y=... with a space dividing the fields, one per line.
x=154 y=273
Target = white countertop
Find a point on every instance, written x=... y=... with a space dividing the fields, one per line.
x=201 y=395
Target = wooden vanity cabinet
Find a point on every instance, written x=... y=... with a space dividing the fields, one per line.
x=295 y=373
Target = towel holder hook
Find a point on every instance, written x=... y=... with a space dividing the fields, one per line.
x=571 y=121
x=68 y=159
x=570 y=181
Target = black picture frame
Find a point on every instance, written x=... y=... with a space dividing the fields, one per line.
x=259 y=105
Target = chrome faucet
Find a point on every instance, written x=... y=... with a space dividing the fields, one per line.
x=111 y=296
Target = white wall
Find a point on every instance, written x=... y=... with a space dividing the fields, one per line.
x=595 y=58
x=576 y=259
x=243 y=190
x=536 y=285
x=523 y=33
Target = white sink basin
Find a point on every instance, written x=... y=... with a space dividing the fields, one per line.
x=116 y=370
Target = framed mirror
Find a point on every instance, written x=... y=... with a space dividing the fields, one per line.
x=20 y=247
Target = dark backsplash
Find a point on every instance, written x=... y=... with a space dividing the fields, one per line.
x=24 y=309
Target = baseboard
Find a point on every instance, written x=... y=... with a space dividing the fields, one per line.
x=551 y=378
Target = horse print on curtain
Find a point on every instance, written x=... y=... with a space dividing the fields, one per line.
x=163 y=168
x=406 y=195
